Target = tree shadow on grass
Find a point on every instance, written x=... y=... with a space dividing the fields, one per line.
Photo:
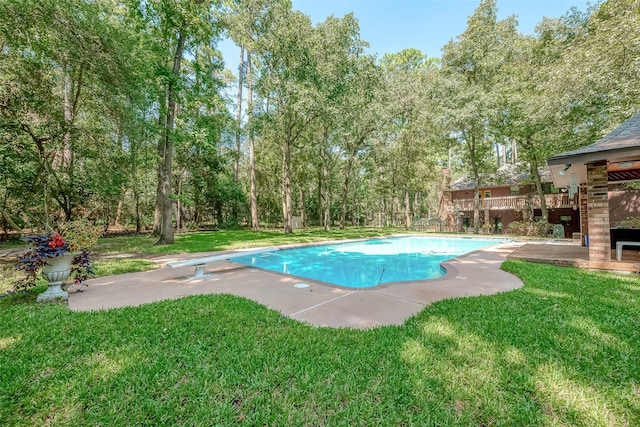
x=561 y=350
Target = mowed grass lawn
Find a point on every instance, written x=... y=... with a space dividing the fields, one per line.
x=126 y=254
x=208 y=241
x=562 y=350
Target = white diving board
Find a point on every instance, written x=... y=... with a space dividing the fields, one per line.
x=200 y=263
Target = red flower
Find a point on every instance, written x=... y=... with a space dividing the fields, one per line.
x=57 y=241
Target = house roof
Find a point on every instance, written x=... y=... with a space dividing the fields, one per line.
x=620 y=148
x=506 y=175
x=622 y=142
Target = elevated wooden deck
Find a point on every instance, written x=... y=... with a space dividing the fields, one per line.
x=573 y=255
x=553 y=201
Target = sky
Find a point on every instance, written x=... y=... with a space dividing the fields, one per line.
x=390 y=26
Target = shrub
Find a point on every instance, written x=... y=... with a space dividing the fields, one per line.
x=530 y=228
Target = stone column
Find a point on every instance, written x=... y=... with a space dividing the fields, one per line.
x=598 y=212
x=584 y=213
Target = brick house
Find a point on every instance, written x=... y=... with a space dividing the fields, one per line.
x=507 y=196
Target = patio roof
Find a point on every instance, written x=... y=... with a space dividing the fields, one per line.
x=620 y=148
x=621 y=143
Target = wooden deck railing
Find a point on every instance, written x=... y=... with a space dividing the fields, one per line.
x=554 y=201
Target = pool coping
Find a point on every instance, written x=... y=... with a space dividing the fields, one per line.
x=321 y=304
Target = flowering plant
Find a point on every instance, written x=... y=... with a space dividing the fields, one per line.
x=81 y=234
x=78 y=237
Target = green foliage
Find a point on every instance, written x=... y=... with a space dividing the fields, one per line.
x=207 y=241
x=631 y=222
x=86 y=89
x=560 y=351
x=530 y=228
x=110 y=267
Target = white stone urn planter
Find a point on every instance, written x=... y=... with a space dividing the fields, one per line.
x=57 y=269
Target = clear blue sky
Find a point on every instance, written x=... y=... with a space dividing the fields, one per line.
x=390 y=26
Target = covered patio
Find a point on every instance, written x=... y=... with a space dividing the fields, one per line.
x=590 y=173
x=572 y=255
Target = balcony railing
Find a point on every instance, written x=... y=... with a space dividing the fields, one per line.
x=554 y=201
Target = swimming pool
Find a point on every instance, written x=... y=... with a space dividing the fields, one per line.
x=369 y=263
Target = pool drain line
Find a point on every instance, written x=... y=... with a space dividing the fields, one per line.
x=381 y=274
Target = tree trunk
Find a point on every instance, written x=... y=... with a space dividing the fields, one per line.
x=135 y=183
x=236 y=164
x=162 y=120
x=476 y=178
x=123 y=188
x=407 y=210
x=65 y=159
x=136 y=197
x=320 y=196
x=8 y=222
x=286 y=188
x=326 y=190
x=543 y=201
x=120 y=207
x=252 y=153
x=166 y=232
x=355 y=215
x=476 y=209
x=326 y=217
x=303 y=215
x=66 y=153
x=345 y=194
x=179 y=205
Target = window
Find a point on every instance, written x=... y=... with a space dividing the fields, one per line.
x=487 y=193
x=515 y=190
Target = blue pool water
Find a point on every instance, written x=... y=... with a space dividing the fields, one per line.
x=368 y=263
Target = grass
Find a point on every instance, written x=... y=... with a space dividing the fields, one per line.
x=562 y=350
x=109 y=267
x=118 y=255
x=208 y=241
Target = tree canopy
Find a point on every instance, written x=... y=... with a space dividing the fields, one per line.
x=121 y=111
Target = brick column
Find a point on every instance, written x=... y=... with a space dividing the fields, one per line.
x=598 y=212
x=584 y=218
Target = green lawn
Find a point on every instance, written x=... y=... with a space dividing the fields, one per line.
x=563 y=350
x=208 y=241
x=117 y=255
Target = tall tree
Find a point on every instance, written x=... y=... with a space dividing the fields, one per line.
x=340 y=57
x=286 y=81
x=248 y=21
x=408 y=74
x=362 y=114
x=470 y=67
x=173 y=28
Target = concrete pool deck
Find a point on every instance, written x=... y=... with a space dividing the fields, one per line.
x=320 y=304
